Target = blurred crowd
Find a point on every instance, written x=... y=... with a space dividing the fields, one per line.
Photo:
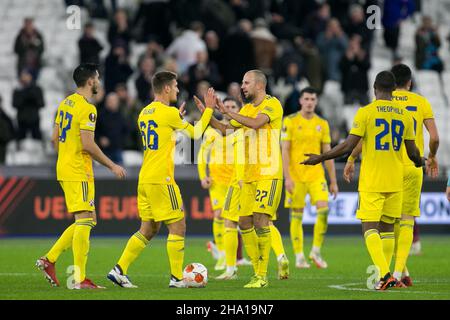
x=213 y=43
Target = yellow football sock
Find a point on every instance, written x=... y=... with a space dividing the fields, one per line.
x=396 y=233
x=218 y=232
x=133 y=249
x=296 y=229
x=277 y=241
x=175 y=250
x=250 y=240
x=230 y=240
x=405 y=239
x=375 y=248
x=264 y=244
x=62 y=244
x=388 y=241
x=80 y=246
x=320 y=227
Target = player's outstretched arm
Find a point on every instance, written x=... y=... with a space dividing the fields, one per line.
x=414 y=153
x=343 y=148
x=224 y=129
x=349 y=169
x=89 y=145
x=202 y=163
x=432 y=167
x=329 y=164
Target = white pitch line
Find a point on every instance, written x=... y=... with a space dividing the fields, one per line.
x=345 y=285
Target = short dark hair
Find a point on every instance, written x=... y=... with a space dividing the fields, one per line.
x=385 y=81
x=259 y=76
x=162 y=79
x=309 y=90
x=230 y=98
x=83 y=72
x=402 y=74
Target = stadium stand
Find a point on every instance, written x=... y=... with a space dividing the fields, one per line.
x=61 y=55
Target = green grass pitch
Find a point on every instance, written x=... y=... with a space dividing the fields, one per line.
x=345 y=277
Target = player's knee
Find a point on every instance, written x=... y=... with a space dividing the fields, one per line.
x=178 y=228
x=245 y=224
x=322 y=205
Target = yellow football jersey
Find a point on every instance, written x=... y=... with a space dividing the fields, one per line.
x=420 y=109
x=262 y=146
x=74 y=114
x=306 y=136
x=158 y=123
x=383 y=126
x=220 y=162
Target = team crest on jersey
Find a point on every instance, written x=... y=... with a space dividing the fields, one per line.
x=215 y=202
x=91 y=202
x=92 y=117
x=319 y=128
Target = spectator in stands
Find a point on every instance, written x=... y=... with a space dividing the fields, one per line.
x=143 y=82
x=130 y=109
x=28 y=99
x=202 y=70
x=119 y=31
x=29 y=47
x=294 y=79
x=394 y=11
x=192 y=112
x=6 y=132
x=317 y=22
x=89 y=46
x=153 y=21
x=238 y=52
x=357 y=25
x=234 y=90
x=312 y=60
x=155 y=51
x=117 y=68
x=247 y=9
x=427 y=46
x=112 y=129
x=185 y=48
x=355 y=65
x=265 y=46
x=288 y=17
x=332 y=45
x=213 y=47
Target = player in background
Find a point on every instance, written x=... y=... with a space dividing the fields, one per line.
x=261 y=121
x=159 y=198
x=73 y=140
x=422 y=113
x=305 y=132
x=383 y=126
x=213 y=155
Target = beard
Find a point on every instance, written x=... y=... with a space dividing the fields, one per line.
x=247 y=99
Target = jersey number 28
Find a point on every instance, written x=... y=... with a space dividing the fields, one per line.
x=395 y=128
